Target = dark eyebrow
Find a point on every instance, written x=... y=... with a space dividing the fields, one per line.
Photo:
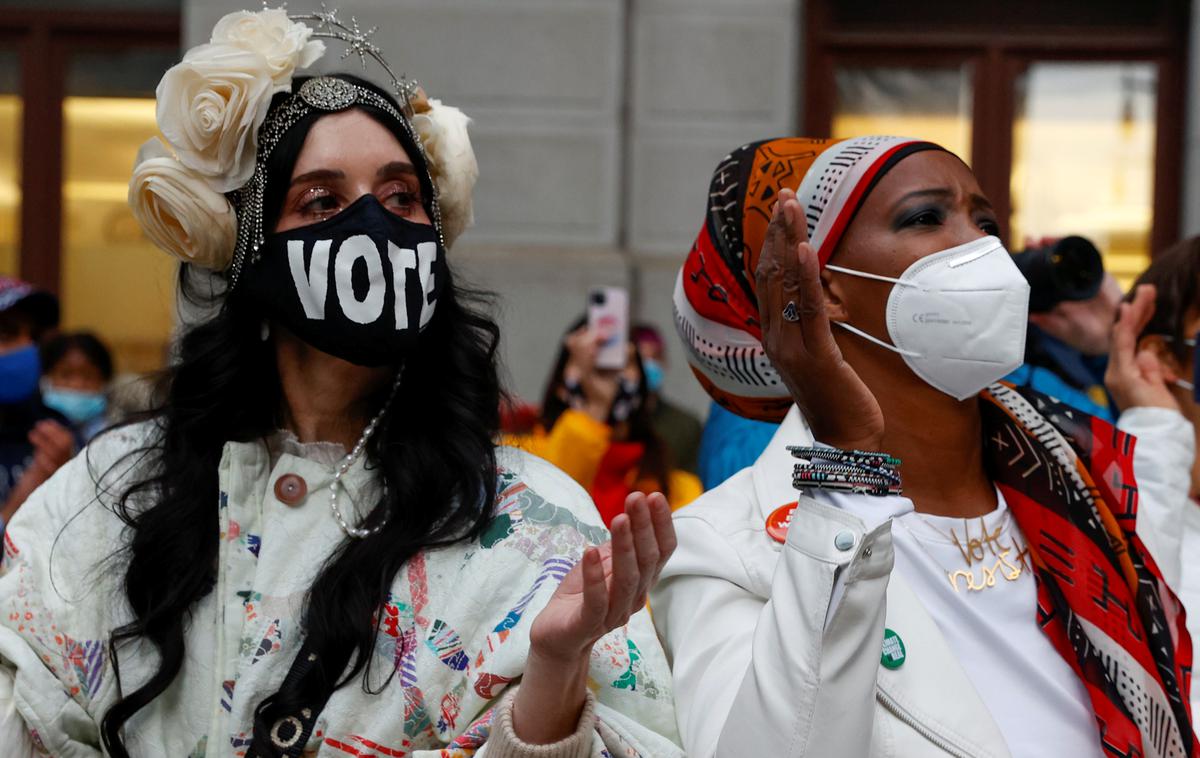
x=938 y=192
x=979 y=201
x=397 y=167
x=320 y=174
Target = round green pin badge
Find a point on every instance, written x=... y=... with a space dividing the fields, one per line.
x=893 y=650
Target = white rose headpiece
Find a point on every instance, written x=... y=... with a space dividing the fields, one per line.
x=201 y=200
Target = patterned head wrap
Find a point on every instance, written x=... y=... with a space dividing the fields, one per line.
x=716 y=308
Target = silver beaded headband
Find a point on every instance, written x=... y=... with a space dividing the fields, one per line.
x=325 y=94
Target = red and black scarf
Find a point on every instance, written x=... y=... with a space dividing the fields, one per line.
x=1068 y=479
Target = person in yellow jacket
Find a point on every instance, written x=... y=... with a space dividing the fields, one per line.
x=595 y=426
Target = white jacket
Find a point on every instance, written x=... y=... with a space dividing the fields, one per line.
x=763 y=667
x=759 y=668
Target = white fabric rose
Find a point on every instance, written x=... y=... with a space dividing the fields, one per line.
x=179 y=211
x=210 y=107
x=283 y=42
x=452 y=165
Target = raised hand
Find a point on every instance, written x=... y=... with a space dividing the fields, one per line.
x=53 y=445
x=1136 y=378
x=610 y=583
x=835 y=401
x=606 y=587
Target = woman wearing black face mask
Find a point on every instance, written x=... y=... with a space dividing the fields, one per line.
x=314 y=546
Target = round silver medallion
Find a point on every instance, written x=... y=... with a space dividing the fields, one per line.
x=295 y=730
x=328 y=94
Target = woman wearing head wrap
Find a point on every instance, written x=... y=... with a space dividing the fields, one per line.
x=314 y=547
x=1002 y=605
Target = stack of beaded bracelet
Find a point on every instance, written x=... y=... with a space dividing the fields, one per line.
x=856 y=471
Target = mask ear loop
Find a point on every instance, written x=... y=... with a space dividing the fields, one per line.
x=865 y=275
x=1184 y=384
x=860 y=332
x=876 y=340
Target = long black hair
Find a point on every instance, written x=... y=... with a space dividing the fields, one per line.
x=435 y=451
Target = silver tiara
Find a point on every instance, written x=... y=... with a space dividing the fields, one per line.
x=325 y=94
x=358 y=42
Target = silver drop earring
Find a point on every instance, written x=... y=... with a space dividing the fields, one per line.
x=265 y=330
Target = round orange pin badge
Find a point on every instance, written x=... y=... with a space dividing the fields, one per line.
x=779 y=521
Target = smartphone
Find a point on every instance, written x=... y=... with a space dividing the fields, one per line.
x=608 y=311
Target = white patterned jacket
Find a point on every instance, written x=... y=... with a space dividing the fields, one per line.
x=454 y=633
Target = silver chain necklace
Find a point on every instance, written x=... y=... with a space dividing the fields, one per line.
x=359 y=533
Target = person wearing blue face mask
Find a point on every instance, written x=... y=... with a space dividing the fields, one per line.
x=678 y=428
x=34 y=440
x=77 y=370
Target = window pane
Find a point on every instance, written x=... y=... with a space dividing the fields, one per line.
x=114 y=281
x=1083 y=158
x=929 y=103
x=10 y=162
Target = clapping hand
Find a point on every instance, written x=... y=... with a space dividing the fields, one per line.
x=602 y=591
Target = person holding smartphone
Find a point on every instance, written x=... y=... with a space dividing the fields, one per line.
x=596 y=423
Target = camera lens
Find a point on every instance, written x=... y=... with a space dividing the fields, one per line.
x=1077 y=268
x=1070 y=269
x=598 y=297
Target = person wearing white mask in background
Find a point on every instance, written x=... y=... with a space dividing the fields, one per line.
x=1152 y=377
x=924 y=561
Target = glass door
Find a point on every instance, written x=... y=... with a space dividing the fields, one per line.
x=1084 y=157
x=107 y=113
x=10 y=162
x=1071 y=113
x=930 y=102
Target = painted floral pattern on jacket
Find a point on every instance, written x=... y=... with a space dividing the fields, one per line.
x=453 y=633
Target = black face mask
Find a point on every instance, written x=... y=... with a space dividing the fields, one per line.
x=360 y=286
